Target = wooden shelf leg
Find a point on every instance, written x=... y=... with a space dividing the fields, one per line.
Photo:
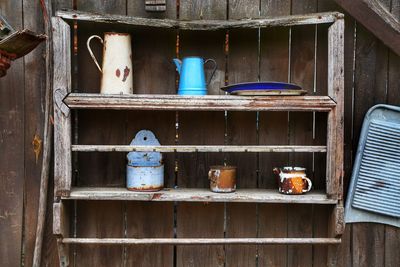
x=61 y=230
x=63 y=253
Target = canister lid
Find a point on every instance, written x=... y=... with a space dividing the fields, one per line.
x=142 y=159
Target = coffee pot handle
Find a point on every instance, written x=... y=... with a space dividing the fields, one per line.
x=309 y=185
x=90 y=50
x=213 y=71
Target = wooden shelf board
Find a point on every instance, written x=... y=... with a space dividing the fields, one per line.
x=199 y=241
x=198 y=195
x=199 y=103
x=197 y=148
x=292 y=20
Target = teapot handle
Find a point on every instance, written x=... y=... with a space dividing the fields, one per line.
x=90 y=50
x=309 y=183
x=215 y=68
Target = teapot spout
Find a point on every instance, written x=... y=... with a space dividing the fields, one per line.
x=277 y=171
x=178 y=64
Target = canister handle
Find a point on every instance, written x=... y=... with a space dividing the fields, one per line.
x=309 y=185
x=90 y=50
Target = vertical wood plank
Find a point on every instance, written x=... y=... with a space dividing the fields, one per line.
x=107 y=169
x=370 y=89
x=273 y=129
x=392 y=235
x=242 y=66
x=392 y=246
x=205 y=44
x=152 y=219
x=301 y=128
x=12 y=147
x=344 y=255
x=60 y=4
x=137 y=8
x=198 y=219
x=117 y=7
x=99 y=219
x=320 y=164
x=154 y=73
x=393 y=79
x=35 y=86
x=368 y=244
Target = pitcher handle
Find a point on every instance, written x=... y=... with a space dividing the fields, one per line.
x=215 y=68
x=90 y=50
x=309 y=183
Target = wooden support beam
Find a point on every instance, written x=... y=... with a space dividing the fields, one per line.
x=201 y=25
x=196 y=148
x=61 y=230
x=200 y=103
x=200 y=241
x=376 y=18
x=199 y=195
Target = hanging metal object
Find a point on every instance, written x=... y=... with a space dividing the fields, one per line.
x=155 y=5
x=145 y=170
x=374 y=192
x=5 y=28
x=17 y=43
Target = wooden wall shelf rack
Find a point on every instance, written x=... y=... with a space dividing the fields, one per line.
x=64 y=101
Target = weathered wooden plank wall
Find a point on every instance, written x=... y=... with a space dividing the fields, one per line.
x=371 y=76
x=12 y=151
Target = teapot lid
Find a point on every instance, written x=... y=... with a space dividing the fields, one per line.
x=294 y=169
x=138 y=159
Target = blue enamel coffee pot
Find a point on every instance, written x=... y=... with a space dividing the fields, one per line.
x=192 y=78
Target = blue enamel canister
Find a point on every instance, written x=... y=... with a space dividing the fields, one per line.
x=192 y=79
x=145 y=170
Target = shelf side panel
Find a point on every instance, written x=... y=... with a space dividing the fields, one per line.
x=62 y=114
x=335 y=141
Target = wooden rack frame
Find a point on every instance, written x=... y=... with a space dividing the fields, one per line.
x=65 y=100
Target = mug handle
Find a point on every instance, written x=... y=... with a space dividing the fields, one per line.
x=90 y=50
x=210 y=174
x=309 y=185
x=215 y=68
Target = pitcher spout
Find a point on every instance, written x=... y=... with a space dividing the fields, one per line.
x=178 y=64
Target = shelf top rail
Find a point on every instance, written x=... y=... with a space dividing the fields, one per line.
x=198 y=148
x=198 y=195
x=292 y=20
x=199 y=103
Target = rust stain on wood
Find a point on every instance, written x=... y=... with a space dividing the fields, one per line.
x=37 y=146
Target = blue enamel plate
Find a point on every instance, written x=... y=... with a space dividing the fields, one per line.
x=263 y=88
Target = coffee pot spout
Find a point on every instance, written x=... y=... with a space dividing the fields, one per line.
x=178 y=64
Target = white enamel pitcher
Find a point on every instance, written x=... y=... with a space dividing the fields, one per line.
x=117 y=73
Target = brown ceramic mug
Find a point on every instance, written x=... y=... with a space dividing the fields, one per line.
x=293 y=180
x=222 y=179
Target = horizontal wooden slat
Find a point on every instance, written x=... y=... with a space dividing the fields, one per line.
x=200 y=103
x=196 y=148
x=199 y=241
x=198 y=195
x=301 y=19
